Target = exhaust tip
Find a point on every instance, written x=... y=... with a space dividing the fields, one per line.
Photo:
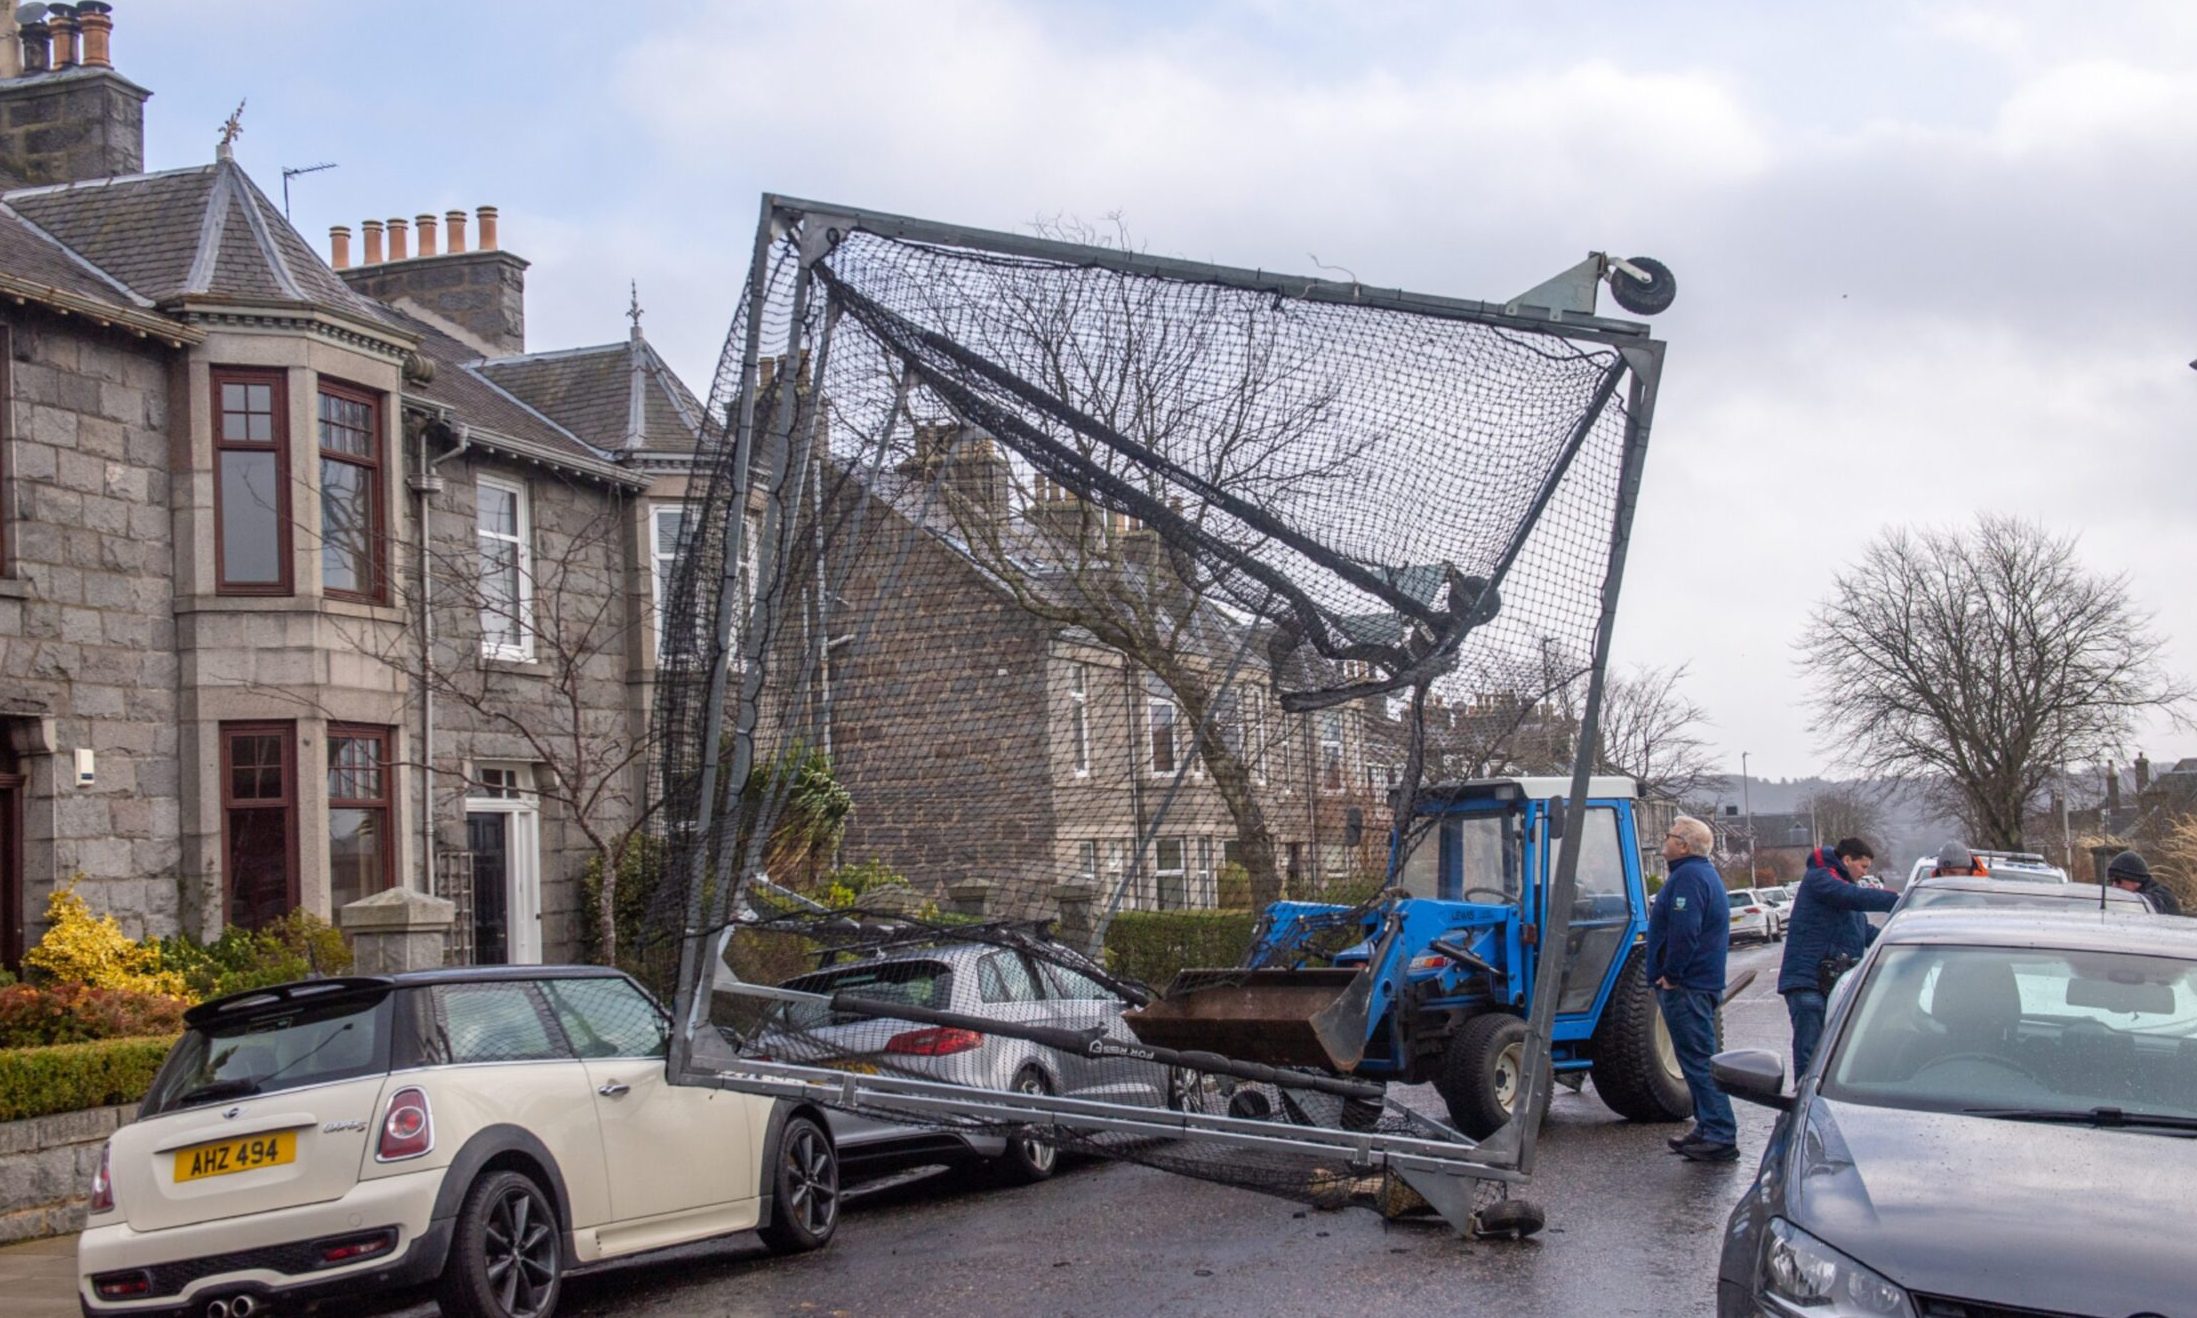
x=242 y=1307
x=217 y=1309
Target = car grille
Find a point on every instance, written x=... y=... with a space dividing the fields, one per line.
x=296 y=1257
x=1941 y=1306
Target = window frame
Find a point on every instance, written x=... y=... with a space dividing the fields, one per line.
x=1153 y=704
x=279 y=426
x=1079 y=717
x=376 y=468
x=7 y=447
x=1332 y=753
x=385 y=760
x=659 y=564
x=225 y=735
x=523 y=650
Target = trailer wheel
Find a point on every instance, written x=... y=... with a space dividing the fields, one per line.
x=1635 y=1067
x=1481 y=1070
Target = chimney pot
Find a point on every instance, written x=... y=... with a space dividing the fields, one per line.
x=372 y=230
x=488 y=227
x=453 y=223
x=91 y=16
x=61 y=23
x=426 y=225
x=339 y=246
x=35 y=48
x=398 y=248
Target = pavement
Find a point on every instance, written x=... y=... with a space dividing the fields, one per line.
x=1632 y=1230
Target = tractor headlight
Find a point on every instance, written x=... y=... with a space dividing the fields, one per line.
x=1802 y=1275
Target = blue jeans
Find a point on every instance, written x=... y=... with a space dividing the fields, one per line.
x=1805 y=1006
x=1691 y=1016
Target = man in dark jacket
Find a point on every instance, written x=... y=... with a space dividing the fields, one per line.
x=1829 y=931
x=1689 y=932
x=2130 y=873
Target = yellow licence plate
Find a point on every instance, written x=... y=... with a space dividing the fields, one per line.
x=842 y=1064
x=238 y=1155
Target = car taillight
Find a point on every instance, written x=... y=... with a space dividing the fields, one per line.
x=103 y=1186
x=408 y=1130
x=936 y=1042
x=123 y=1285
x=350 y=1249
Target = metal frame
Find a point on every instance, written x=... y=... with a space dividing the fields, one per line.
x=1442 y=1170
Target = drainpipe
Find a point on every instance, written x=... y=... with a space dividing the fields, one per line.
x=427 y=484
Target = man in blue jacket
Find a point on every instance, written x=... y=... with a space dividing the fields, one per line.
x=1689 y=932
x=1829 y=931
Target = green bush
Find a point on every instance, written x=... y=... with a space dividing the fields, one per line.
x=1152 y=945
x=31 y=1016
x=70 y=1077
x=298 y=946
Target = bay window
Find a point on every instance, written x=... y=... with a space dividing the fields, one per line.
x=352 y=530
x=361 y=857
x=259 y=821
x=251 y=483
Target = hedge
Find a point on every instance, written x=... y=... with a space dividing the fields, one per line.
x=68 y=1077
x=1152 y=945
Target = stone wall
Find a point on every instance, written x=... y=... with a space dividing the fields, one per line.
x=63 y=127
x=46 y=1167
x=482 y=292
x=87 y=630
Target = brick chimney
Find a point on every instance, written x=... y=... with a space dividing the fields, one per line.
x=482 y=292
x=68 y=116
x=2143 y=774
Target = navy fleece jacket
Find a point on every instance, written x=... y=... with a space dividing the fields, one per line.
x=1690 y=927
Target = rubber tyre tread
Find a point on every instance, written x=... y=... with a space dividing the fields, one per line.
x=464 y=1289
x=783 y=1235
x=1626 y=1074
x=1509 y=1219
x=1014 y=1167
x=1467 y=1079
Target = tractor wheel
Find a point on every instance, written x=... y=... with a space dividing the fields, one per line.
x=1481 y=1071
x=1635 y=1067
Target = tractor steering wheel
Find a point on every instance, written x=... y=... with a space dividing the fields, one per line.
x=1501 y=898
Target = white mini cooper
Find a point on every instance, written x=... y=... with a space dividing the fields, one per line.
x=482 y=1129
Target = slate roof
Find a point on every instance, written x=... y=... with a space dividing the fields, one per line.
x=206 y=233
x=478 y=401
x=35 y=267
x=590 y=391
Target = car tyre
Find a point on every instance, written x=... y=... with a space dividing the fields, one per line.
x=1480 y=1073
x=804 y=1190
x=506 y=1254
x=1028 y=1160
x=1635 y=1068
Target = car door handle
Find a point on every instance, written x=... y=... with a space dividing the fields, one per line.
x=614 y=1089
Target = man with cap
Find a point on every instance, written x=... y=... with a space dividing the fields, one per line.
x=2129 y=873
x=1953 y=858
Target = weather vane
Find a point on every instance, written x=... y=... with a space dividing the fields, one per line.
x=231 y=129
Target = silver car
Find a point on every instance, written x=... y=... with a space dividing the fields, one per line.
x=972 y=979
x=1951 y=891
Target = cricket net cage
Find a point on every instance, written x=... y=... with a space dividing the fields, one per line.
x=1041 y=613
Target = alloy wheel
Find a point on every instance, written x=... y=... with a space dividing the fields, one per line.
x=519 y=1250
x=812 y=1180
x=1037 y=1153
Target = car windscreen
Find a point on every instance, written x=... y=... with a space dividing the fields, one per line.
x=2027 y=896
x=912 y=983
x=2037 y=1029
x=282 y=1046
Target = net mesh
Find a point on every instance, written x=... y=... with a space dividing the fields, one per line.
x=1065 y=616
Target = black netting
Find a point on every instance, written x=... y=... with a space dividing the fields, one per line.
x=1063 y=618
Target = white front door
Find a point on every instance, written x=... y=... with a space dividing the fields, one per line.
x=503 y=830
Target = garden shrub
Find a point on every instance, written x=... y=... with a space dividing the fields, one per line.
x=82 y=948
x=298 y=946
x=69 y=1077
x=31 y=1016
x=1152 y=945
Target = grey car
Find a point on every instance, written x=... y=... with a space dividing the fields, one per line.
x=973 y=979
x=1971 y=892
x=2002 y=1119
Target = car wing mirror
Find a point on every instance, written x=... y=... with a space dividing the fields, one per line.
x=1754 y=1075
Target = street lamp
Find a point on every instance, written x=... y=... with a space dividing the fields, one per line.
x=1747 y=804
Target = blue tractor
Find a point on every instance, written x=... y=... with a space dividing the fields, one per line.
x=1431 y=982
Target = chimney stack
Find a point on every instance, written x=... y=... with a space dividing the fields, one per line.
x=2143 y=774
x=488 y=228
x=453 y=223
x=482 y=291
x=2112 y=791
x=372 y=230
x=91 y=16
x=426 y=225
x=61 y=24
x=339 y=246
x=35 y=47
x=399 y=249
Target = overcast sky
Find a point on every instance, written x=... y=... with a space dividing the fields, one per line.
x=1932 y=259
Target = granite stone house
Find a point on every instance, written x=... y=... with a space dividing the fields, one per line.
x=313 y=580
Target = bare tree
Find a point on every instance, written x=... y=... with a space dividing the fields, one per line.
x=1650 y=731
x=1844 y=810
x=1978 y=663
x=1226 y=396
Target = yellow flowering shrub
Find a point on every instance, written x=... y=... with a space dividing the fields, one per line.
x=82 y=948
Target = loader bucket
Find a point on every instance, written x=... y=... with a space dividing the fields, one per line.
x=1278 y=1017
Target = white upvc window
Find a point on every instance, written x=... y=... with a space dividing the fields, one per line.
x=1079 y=716
x=504 y=530
x=665 y=522
x=1161 y=713
x=1332 y=770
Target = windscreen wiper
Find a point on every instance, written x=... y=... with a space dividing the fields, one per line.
x=219 y=1089
x=2096 y=1116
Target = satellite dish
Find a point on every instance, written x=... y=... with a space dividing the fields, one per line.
x=28 y=14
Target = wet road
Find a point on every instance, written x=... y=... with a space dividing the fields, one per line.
x=1632 y=1230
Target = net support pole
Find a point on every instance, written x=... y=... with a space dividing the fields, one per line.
x=1520 y=1133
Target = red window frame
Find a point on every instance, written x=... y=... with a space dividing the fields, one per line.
x=287 y=803
x=280 y=430
x=7 y=443
x=377 y=564
x=385 y=764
